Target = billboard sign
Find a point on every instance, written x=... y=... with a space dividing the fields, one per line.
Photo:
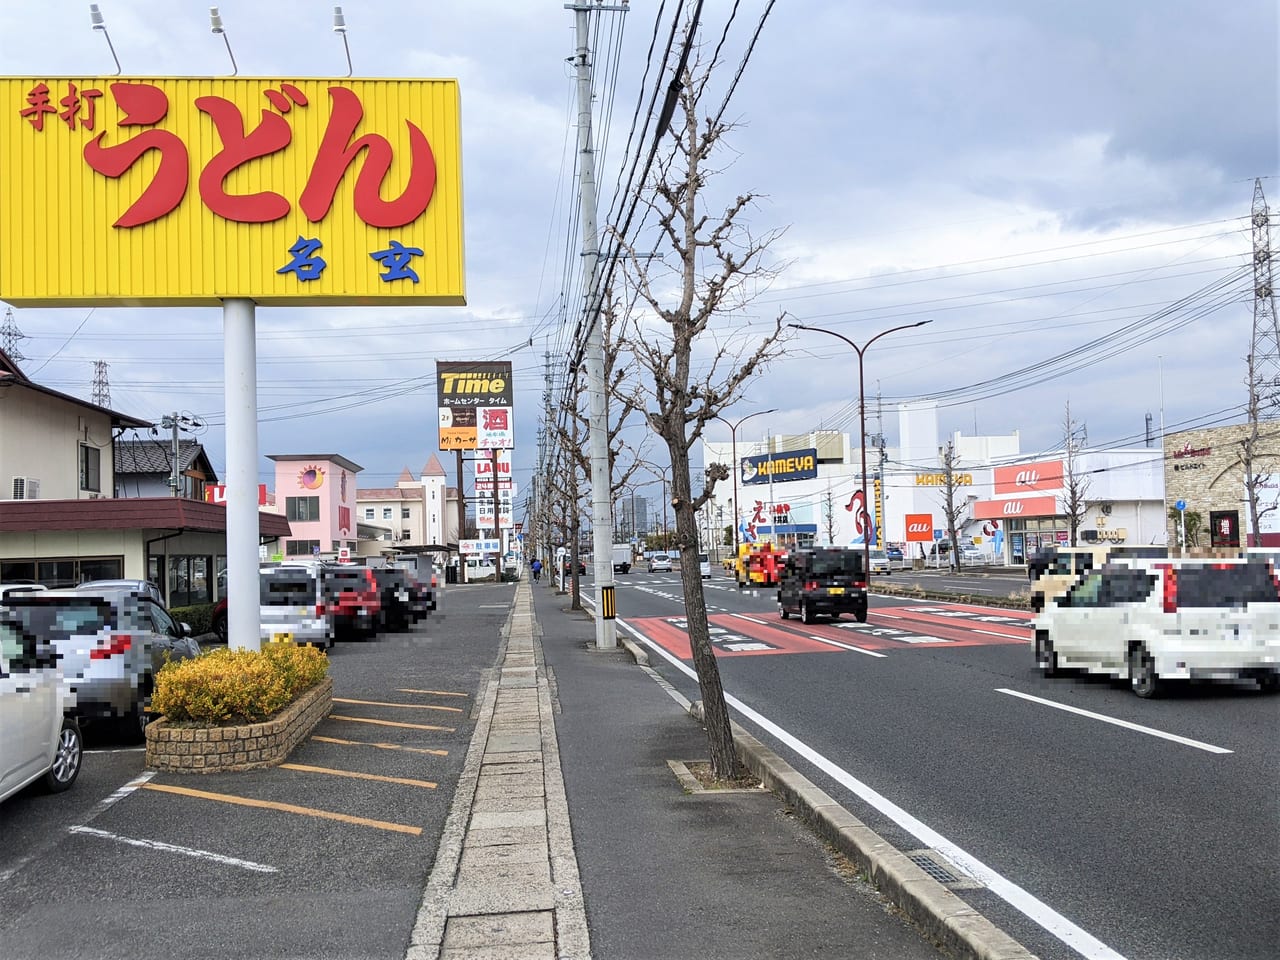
x=217 y=493
x=779 y=467
x=475 y=402
x=1029 y=477
x=471 y=547
x=1015 y=507
x=919 y=527
x=189 y=190
x=484 y=511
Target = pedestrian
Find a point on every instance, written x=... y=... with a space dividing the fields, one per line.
x=536 y=566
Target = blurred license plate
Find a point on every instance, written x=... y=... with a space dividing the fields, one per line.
x=302 y=611
x=835 y=591
x=282 y=637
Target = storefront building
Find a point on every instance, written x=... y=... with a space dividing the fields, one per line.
x=1205 y=471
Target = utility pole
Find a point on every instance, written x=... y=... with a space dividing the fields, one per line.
x=10 y=335
x=1264 y=362
x=601 y=506
x=173 y=423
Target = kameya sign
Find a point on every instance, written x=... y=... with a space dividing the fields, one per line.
x=779 y=467
x=186 y=191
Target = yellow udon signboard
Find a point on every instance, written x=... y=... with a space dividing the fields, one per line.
x=153 y=191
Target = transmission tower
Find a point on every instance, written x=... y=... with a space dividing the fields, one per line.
x=1264 y=353
x=101 y=389
x=9 y=337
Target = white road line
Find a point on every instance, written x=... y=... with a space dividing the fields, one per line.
x=1199 y=745
x=171 y=848
x=887 y=616
x=1081 y=941
x=849 y=646
x=743 y=616
x=1005 y=636
x=124 y=791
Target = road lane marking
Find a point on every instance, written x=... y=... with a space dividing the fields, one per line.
x=1075 y=937
x=330 y=771
x=391 y=723
x=380 y=746
x=1199 y=745
x=172 y=848
x=407 y=706
x=127 y=789
x=285 y=808
x=434 y=693
x=743 y=616
x=849 y=646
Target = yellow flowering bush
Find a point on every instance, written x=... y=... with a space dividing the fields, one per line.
x=237 y=686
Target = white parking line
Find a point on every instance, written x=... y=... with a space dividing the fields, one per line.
x=171 y=848
x=1199 y=745
x=1083 y=942
x=124 y=791
x=849 y=646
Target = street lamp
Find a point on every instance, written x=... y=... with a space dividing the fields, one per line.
x=862 y=414
x=733 y=439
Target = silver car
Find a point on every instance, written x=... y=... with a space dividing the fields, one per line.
x=291 y=606
x=109 y=641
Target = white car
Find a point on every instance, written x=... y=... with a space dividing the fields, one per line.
x=880 y=562
x=704 y=566
x=660 y=563
x=1149 y=621
x=39 y=741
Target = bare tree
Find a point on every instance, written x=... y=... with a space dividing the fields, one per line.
x=718 y=267
x=952 y=511
x=1256 y=447
x=829 y=515
x=1075 y=485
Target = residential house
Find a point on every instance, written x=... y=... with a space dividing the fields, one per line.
x=144 y=468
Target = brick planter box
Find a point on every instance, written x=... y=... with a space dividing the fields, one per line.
x=225 y=749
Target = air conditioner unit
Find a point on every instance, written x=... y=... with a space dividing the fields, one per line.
x=26 y=488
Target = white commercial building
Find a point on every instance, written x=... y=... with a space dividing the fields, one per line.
x=802 y=490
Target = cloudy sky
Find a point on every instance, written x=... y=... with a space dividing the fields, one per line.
x=1062 y=188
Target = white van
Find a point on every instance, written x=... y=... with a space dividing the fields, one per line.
x=1152 y=620
x=480 y=569
x=704 y=566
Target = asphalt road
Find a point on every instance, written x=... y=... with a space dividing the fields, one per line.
x=325 y=858
x=1094 y=839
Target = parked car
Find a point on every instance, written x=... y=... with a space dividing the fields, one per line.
x=110 y=642
x=1150 y=621
x=880 y=562
x=660 y=563
x=704 y=566
x=971 y=554
x=40 y=742
x=22 y=586
x=404 y=600
x=351 y=598
x=218 y=620
x=292 y=606
x=894 y=553
x=824 y=581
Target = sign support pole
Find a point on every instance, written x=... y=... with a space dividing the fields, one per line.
x=240 y=385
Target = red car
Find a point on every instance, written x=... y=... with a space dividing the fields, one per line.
x=352 y=599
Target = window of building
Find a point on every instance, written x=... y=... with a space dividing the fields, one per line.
x=404 y=513
x=368 y=513
x=190 y=580
x=90 y=468
x=301 y=548
x=302 y=508
x=404 y=534
x=387 y=535
x=386 y=513
x=62 y=572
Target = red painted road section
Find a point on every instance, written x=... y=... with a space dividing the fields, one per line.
x=895 y=629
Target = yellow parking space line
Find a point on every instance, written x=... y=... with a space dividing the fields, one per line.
x=407 y=706
x=435 y=693
x=392 y=723
x=284 y=808
x=381 y=746
x=329 y=771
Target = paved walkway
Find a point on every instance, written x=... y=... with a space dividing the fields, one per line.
x=505 y=883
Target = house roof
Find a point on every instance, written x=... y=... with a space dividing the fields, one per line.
x=152 y=456
x=128 y=513
x=433 y=467
x=390 y=493
x=405 y=476
x=12 y=376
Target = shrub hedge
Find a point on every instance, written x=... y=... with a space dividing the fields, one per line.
x=237 y=686
x=198 y=616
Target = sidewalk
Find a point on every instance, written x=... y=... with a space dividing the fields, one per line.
x=650 y=871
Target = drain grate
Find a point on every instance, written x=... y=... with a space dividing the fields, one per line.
x=933 y=868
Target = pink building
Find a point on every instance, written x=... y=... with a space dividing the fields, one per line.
x=316 y=492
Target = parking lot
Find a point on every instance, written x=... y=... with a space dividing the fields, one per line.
x=325 y=855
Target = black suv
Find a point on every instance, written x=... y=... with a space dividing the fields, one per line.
x=824 y=581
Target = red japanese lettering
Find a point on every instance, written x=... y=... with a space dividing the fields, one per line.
x=336 y=154
x=270 y=136
x=38 y=106
x=143 y=105
x=72 y=103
